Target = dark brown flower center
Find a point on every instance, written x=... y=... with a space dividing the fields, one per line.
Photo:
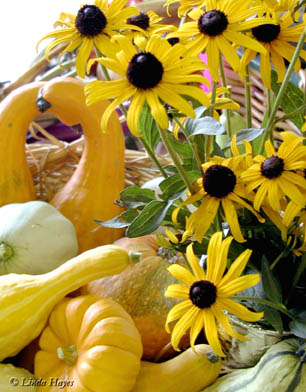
x=90 y=20
x=145 y=71
x=219 y=181
x=174 y=40
x=212 y=23
x=203 y=294
x=142 y=20
x=266 y=33
x=272 y=167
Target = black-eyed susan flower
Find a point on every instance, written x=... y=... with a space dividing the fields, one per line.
x=92 y=27
x=274 y=177
x=277 y=38
x=206 y=295
x=149 y=23
x=157 y=73
x=217 y=27
x=219 y=189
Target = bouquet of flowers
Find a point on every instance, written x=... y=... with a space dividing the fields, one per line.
x=232 y=201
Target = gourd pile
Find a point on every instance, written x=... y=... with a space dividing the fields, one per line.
x=82 y=308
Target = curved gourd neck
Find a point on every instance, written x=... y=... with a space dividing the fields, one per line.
x=17 y=111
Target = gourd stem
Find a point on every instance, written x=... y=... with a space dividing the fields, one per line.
x=68 y=354
x=6 y=252
x=134 y=257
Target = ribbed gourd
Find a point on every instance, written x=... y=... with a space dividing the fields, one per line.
x=140 y=290
x=89 y=345
x=26 y=301
x=281 y=369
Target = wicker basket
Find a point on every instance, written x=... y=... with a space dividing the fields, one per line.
x=53 y=161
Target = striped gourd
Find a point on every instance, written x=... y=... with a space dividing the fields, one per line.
x=281 y=369
x=26 y=301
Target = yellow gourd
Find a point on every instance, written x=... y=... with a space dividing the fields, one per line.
x=99 y=178
x=26 y=301
x=190 y=371
x=88 y=194
x=89 y=345
x=17 y=111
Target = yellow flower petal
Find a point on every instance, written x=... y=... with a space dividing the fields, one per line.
x=177 y=291
x=211 y=332
x=239 y=310
x=236 y=268
x=182 y=326
x=181 y=274
x=177 y=312
x=237 y=285
x=194 y=263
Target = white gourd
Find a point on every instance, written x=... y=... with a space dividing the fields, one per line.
x=35 y=238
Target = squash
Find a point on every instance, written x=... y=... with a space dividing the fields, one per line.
x=17 y=110
x=282 y=368
x=27 y=300
x=34 y=238
x=15 y=379
x=140 y=289
x=99 y=178
x=92 y=344
x=190 y=371
x=87 y=195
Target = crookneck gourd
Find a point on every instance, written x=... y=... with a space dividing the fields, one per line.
x=17 y=111
x=88 y=194
x=26 y=301
x=89 y=345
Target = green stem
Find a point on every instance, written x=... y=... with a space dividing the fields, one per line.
x=68 y=354
x=281 y=92
x=227 y=111
x=164 y=137
x=298 y=274
x=153 y=157
x=262 y=301
x=56 y=71
x=194 y=150
x=213 y=98
x=248 y=101
x=278 y=258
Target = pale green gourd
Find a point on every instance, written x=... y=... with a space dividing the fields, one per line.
x=281 y=369
x=35 y=238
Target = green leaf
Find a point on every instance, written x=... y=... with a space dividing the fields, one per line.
x=298 y=326
x=148 y=128
x=270 y=283
x=120 y=221
x=175 y=184
x=134 y=196
x=248 y=134
x=204 y=126
x=182 y=148
x=273 y=317
x=292 y=100
x=149 y=219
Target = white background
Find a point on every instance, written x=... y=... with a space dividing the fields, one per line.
x=22 y=24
